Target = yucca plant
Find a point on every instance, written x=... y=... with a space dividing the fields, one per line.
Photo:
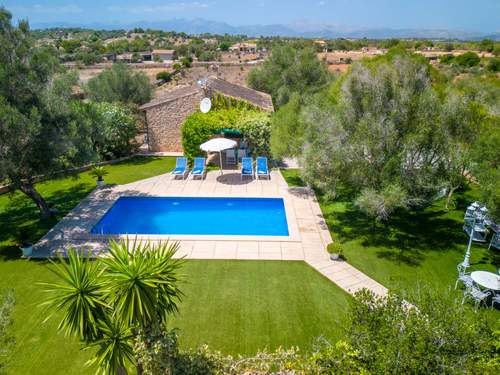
x=98 y=172
x=104 y=302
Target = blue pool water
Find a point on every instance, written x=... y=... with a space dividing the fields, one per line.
x=195 y=216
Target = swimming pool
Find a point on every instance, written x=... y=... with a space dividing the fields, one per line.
x=195 y=216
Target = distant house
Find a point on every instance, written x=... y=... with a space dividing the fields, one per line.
x=124 y=57
x=244 y=47
x=166 y=114
x=164 y=54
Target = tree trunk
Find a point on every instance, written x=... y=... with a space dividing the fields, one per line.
x=448 y=198
x=30 y=191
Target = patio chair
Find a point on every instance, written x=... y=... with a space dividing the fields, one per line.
x=230 y=157
x=242 y=152
x=181 y=168
x=495 y=241
x=198 y=168
x=476 y=295
x=262 y=169
x=463 y=277
x=495 y=299
x=247 y=167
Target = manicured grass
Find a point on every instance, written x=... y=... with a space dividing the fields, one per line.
x=234 y=306
x=292 y=177
x=413 y=248
x=244 y=306
x=18 y=211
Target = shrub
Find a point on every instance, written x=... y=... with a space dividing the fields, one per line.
x=111 y=127
x=164 y=76
x=98 y=172
x=467 y=59
x=446 y=59
x=335 y=248
x=199 y=127
x=493 y=65
x=120 y=84
x=187 y=61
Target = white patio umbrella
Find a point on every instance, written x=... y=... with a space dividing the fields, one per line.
x=218 y=145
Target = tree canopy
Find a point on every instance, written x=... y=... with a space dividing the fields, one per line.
x=38 y=131
x=287 y=71
x=120 y=84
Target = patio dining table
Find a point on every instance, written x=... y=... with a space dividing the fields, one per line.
x=488 y=280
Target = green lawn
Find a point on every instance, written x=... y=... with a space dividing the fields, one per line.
x=235 y=306
x=414 y=248
x=18 y=211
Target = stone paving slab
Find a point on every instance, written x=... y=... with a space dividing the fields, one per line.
x=307 y=240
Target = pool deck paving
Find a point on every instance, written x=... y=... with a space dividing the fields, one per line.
x=307 y=239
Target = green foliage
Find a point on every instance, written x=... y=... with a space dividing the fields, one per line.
x=388 y=136
x=164 y=76
x=98 y=172
x=439 y=336
x=120 y=84
x=39 y=134
x=224 y=46
x=7 y=303
x=71 y=45
x=287 y=131
x=493 y=65
x=105 y=302
x=199 y=127
x=335 y=248
x=447 y=59
x=187 y=61
x=112 y=128
x=220 y=101
x=289 y=71
x=467 y=59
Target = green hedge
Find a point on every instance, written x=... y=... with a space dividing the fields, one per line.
x=199 y=127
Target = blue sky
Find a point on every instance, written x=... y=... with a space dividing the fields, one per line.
x=473 y=15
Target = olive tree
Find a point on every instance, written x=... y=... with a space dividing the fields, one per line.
x=38 y=131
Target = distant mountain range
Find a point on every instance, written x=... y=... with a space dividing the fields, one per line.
x=299 y=29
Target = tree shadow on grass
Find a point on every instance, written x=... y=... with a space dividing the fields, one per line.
x=406 y=238
x=21 y=221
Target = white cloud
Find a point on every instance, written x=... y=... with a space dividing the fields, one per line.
x=321 y=3
x=141 y=9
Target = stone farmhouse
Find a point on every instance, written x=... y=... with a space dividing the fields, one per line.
x=166 y=114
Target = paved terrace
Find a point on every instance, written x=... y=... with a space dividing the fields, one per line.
x=307 y=240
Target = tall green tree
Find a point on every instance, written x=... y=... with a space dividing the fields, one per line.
x=287 y=71
x=389 y=136
x=120 y=84
x=38 y=132
x=106 y=303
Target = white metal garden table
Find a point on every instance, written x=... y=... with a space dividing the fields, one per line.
x=488 y=280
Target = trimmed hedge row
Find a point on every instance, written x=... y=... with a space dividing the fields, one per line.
x=199 y=127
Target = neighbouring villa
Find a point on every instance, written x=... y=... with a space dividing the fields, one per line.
x=166 y=114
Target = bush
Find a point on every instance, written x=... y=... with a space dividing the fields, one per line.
x=336 y=248
x=112 y=128
x=199 y=127
x=446 y=59
x=493 y=65
x=467 y=59
x=187 y=61
x=120 y=84
x=164 y=76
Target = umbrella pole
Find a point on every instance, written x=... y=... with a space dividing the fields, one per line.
x=220 y=156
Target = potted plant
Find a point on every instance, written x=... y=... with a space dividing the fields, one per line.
x=99 y=172
x=336 y=251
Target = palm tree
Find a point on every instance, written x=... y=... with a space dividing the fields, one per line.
x=105 y=302
x=142 y=280
x=78 y=294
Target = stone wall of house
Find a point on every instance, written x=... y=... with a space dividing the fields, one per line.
x=165 y=121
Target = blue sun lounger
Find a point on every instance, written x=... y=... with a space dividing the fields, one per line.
x=181 y=168
x=262 y=169
x=246 y=167
x=198 y=167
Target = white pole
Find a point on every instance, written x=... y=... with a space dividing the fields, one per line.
x=466 y=263
x=220 y=155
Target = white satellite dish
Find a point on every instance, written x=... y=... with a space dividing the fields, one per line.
x=205 y=105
